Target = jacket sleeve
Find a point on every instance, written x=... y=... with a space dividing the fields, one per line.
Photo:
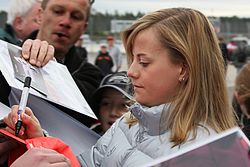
x=96 y=154
x=87 y=78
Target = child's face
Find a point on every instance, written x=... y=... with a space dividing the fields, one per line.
x=112 y=107
x=103 y=49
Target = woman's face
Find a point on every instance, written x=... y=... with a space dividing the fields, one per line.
x=155 y=78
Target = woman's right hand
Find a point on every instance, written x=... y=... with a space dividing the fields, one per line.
x=31 y=127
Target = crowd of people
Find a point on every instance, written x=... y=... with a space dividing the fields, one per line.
x=173 y=94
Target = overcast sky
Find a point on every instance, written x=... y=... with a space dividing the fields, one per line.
x=240 y=8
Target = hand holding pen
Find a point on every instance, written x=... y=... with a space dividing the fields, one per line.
x=30 y=122
x=22 y=115
x=22 y=104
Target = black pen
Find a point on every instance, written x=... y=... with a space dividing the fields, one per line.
x=23 y=103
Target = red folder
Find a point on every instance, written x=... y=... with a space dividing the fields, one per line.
x=45 y=142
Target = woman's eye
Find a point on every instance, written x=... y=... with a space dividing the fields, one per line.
x=143 y=64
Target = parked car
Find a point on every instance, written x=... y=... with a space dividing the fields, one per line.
x=235 y=42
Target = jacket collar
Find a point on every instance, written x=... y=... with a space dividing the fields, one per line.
x=12 y=38
x=149 y=117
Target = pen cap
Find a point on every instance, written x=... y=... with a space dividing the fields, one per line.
x=27 y=82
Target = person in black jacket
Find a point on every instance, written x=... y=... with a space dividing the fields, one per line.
x=224 y=51
x=104 y=60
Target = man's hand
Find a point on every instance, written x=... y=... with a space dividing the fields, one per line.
x=37 y=52
x=42 y=157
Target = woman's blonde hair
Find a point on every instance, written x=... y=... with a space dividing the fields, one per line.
x=203 y=99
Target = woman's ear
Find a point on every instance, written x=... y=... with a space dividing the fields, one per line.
x=184 y=73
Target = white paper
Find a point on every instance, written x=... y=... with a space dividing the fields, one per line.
x=4 y=110
x=216 y=149
x=58 y=81
x=57 y=123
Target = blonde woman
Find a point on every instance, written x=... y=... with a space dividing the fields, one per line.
x=178 y=76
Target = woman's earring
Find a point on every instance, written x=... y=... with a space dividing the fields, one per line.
x=182 y=79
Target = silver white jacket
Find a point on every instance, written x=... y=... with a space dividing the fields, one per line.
x=137 y=145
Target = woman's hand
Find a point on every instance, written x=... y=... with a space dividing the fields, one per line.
x=37 y=52
x=31 y=127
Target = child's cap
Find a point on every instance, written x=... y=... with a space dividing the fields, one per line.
x=118 y=81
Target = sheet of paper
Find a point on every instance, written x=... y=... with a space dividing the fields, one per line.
x=23 y=69
x=229 y=148
x=4 y=110
x=60 y=86
x=58 y=124
x=61 y=125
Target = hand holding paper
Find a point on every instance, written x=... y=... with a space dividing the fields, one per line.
x=37 y=52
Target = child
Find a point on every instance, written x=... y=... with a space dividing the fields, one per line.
x=111 y=99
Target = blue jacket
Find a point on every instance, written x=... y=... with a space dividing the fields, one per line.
x=8 y=34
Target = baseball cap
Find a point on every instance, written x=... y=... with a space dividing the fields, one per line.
x=118 y=81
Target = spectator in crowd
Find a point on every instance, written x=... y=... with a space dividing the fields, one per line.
x=23 y=18
x=111 y=100
x=61 y=26
x=180 y=93
x=114 y=52
x=241 y=99
x=240 y=55
x=104 y=60
x=224 y=51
